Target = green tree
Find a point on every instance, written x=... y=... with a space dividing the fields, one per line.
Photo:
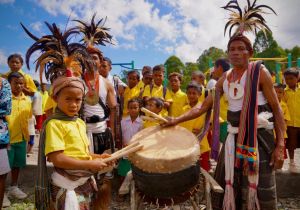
x=267 y=47
x=211 y=53
x=174 y=64
x=189 y=68
x=295 y=54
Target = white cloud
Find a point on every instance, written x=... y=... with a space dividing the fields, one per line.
x=37 y=26
x=188 y=28
x=7 y=1
x=3 y=58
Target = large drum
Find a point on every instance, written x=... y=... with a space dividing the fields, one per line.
x=167 y=168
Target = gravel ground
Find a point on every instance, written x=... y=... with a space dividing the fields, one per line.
x=291 y=203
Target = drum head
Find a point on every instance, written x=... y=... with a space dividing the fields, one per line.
x=165 y=150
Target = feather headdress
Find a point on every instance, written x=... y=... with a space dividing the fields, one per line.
x=249 y=20
x=58 y=56
x=94 y=33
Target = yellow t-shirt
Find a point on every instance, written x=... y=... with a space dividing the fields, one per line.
x=197 y=123
x=28 y=80
x=292 y=99
x=18 y=119
x=202 y=97
x=50 y=103
x=223 y=108
x=45 y=97
x=179 y=101
x=141 y=84
x=157 y=91
x=286 y=114
x=129 y=94
x=147 y=124
x=69 y=137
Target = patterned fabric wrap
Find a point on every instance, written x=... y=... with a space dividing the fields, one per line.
x=84 y=195
x=266 y=188
x=5 y=109
x=246 y=146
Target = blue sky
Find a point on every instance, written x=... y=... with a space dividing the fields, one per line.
x=147 y=32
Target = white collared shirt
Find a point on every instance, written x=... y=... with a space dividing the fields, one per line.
x=129 y=128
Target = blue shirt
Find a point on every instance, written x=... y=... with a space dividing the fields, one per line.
x=5 y=109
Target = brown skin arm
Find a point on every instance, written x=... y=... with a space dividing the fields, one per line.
x=27 y=92
x=112 y=103
x=279 y=124
x=60 y=160
x=167 y=104
x=198 y=110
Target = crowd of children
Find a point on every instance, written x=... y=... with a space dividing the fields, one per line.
x=20 y=117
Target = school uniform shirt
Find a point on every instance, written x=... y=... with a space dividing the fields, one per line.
x=157 y=91
x=197 y=123
x=141 y=84
x=69 y=137
x=148 y=123
x=223 y=108
x=45 y=96
x=28 y=80
x=130 y=128
x=286 y=114
x=292 y=100
x=202 y=97
x=18 y=119
x=179 y=101
x=129 y=94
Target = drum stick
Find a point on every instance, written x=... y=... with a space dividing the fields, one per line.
x=127 y=147
x=154 y=115
x=121 y=154
x=149 y=118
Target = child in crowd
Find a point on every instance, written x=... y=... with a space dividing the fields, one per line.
x=45 y=95
x=279 y=88
x=15 y=63
x=158 y=90
x=147 y=77
x=178 y=96
x=130 y=126
x=132 y=123
x=292 y=99
x=132 y=90
x=31 y=132
x=155 y=105
x=67 y=145
x=199 y=78
x=18 y=129
x=195 y=125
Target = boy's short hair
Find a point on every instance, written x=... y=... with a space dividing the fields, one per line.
x=175 y=74
x=158 y=102
x=15 y=55
x=224 y=63
x=108 y=60
x=158 y=68
x=198 y=73
x=195 y=86
x=134 y=72
x=14 y=75
x=291 y=71
x=134 y=100
x=146 y=69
